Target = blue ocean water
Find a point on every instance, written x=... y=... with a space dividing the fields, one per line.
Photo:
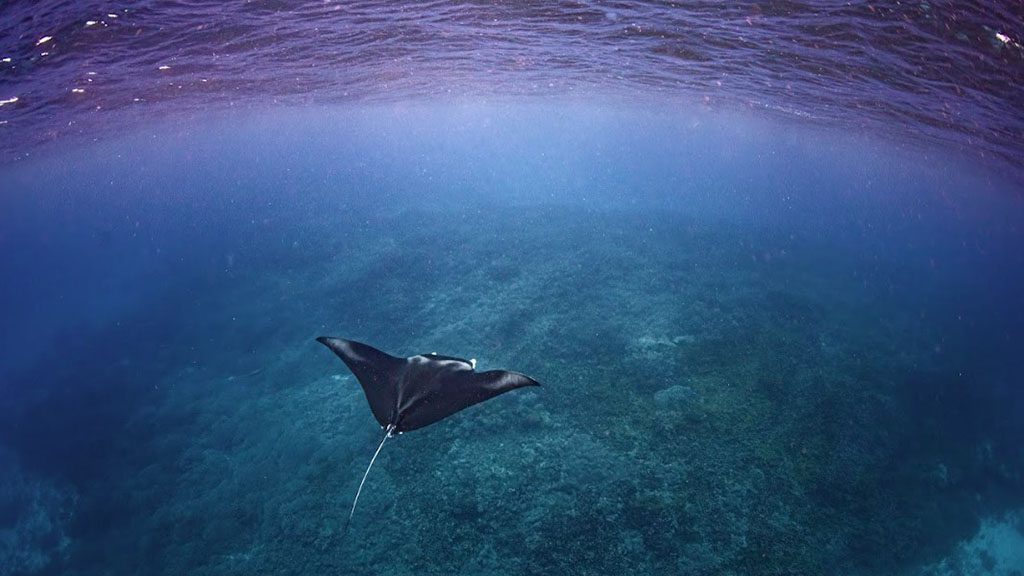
x=764 y=258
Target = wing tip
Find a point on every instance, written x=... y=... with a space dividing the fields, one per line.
x=330 y=341
x=339 y=346
x=529 y=381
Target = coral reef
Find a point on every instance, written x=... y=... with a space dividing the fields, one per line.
x=706 y=409
x=997 y=549
x=34 y=519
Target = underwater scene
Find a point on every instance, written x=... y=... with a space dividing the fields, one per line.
x=593 y=287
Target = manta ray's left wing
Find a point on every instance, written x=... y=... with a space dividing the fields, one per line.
x=378 y=373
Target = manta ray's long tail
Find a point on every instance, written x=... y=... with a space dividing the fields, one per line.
x=387 y=434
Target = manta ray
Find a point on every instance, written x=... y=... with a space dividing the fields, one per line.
x=409 y=393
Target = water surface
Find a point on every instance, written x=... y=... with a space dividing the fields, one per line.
x=945 y=72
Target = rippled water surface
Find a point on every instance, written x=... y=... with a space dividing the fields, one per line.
x=947 y=72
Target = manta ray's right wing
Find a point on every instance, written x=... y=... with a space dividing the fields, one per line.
x=457 y=390
x=378 y=373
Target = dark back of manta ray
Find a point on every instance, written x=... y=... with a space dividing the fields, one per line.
x=409 y=393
